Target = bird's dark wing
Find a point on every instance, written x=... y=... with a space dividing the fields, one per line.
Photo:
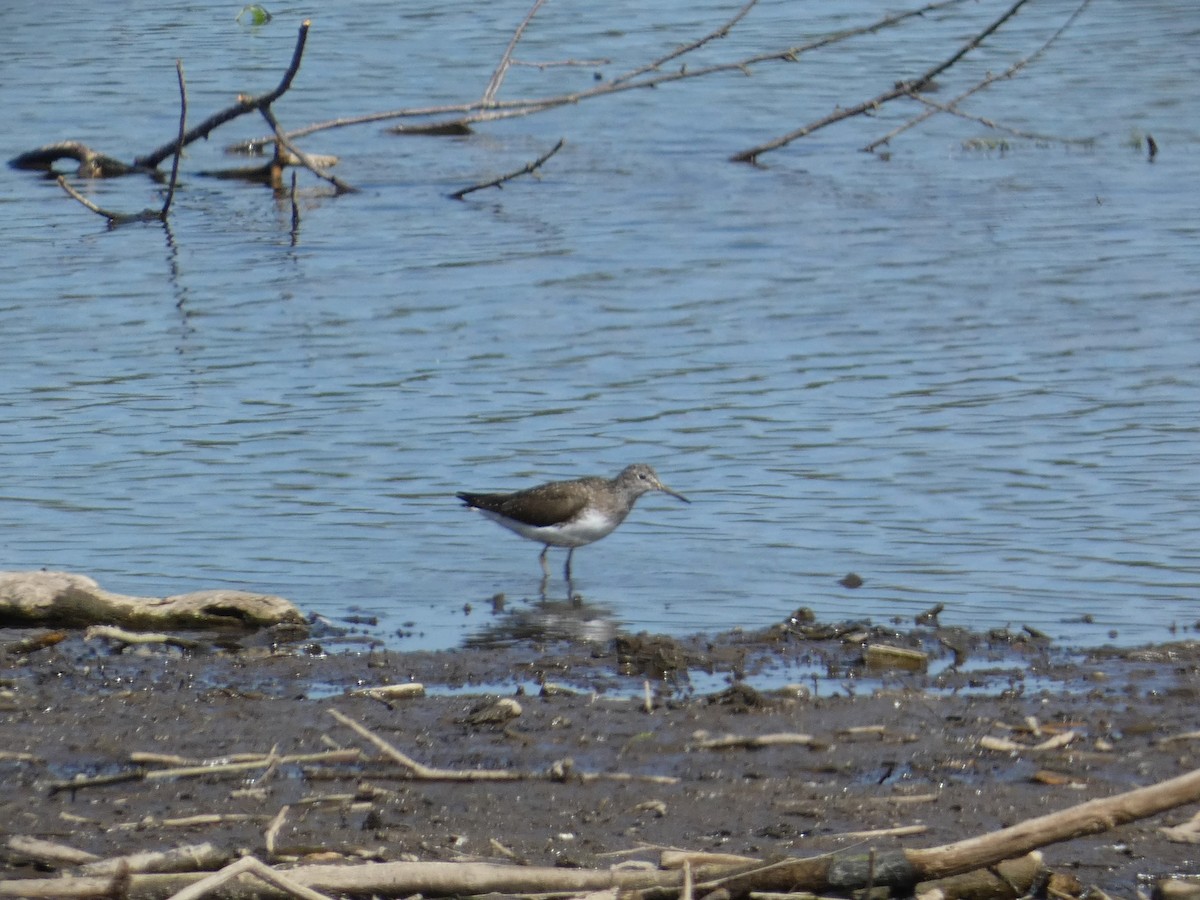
x=547 y=504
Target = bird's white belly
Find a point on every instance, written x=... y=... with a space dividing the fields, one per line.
x=583 y=529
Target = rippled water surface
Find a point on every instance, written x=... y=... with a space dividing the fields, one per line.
x=968 y=373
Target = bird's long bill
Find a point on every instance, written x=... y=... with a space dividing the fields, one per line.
x=666 y=490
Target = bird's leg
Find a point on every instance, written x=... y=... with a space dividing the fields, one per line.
x=567 y=568
x=542 y=560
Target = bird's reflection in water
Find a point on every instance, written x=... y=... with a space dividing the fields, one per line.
x=545 y=619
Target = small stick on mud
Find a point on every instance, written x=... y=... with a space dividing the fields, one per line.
x=272 y=831
x=558 y=772
x=742 y=741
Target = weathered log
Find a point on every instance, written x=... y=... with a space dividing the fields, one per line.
x=67 y=599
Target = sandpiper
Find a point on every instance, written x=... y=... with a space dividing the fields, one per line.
x=569 y=513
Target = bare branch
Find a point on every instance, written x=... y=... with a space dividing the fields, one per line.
x=902 y=89
x=243 y=106
x=952 y=106
x=305 y=160
x=528 y=169
x=493 y=85
x=179 y=143
x=688 y=48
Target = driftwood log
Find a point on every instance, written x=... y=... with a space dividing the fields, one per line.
x=70 y=600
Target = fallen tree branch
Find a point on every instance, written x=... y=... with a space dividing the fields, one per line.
x=527 y=169
x=901 y=89
x=244 y=105
x=952 y=106
x=146 y=215
x=473 y=112
x=904 y=868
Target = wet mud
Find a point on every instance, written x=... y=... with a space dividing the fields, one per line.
x=630 y=727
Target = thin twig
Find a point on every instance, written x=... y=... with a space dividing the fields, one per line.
x=243 y=106
x=952 y=106
x=305 y=159
x=493 y=85
x=420 y=771
x=902 y=89
x=179 y=143
x=527 y=169
x=687 y=48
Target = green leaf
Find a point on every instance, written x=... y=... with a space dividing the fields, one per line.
x=258 y=15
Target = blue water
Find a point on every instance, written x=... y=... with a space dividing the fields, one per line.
x=968 y=375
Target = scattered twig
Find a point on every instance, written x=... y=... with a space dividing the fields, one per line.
x=754 y=741
x=47 y=853
x=561 y=771
x=200 y=771
x=527 y=169
x=125 y=637
x=252 y=866
x=189 y=858
x=272 y=831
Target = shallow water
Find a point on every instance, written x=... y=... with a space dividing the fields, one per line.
x=968 y=376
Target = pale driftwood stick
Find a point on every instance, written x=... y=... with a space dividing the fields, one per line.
x=124 y=636
x=250 y=865
x=1010 y=878
x=48 y=852
x=272 y=831
x=898 y=831
x=202 y=770
x=194 y=858
x=952 y=106
x=493 y=85
x=68 y=599
x=752 y=741
x=906 y=867
x=527 y=169
x=244 y=105
x=557 y=772
x=1183 y=736
x=305 y=160
x=902 y=89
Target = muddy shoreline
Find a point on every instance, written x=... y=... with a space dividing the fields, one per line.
x=889 y=749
